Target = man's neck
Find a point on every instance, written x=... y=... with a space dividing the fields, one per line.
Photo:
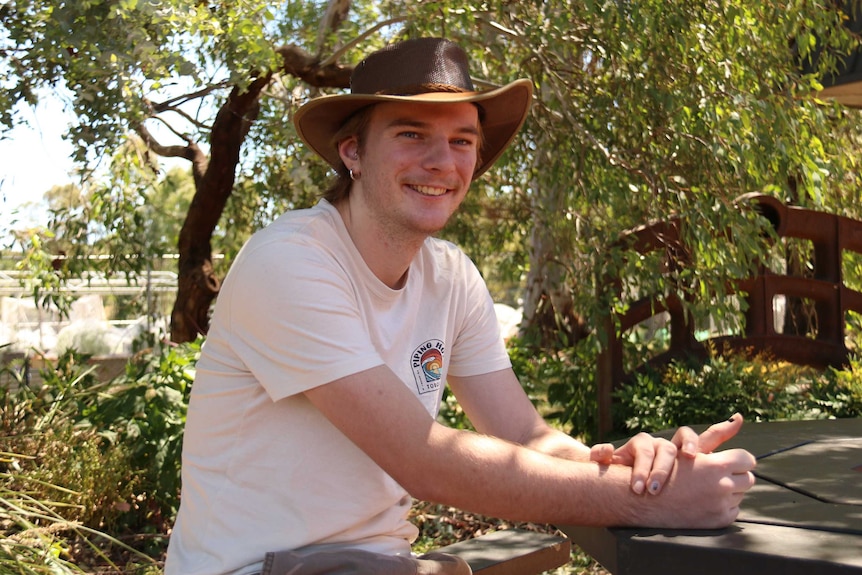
x=386 y=256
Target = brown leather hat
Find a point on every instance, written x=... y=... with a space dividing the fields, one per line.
x=431 y=70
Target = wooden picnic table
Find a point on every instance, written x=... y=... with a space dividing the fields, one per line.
x=804 y=515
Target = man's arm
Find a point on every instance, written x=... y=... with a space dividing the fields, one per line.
x=497 y=477
x=497 y=405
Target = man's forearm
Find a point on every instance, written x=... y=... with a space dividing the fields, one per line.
x=496 y=478
x=554 y=442
x=524 y=483
x=506 y=478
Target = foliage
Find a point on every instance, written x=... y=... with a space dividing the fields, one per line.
x=839 y=392
x=97 y=457
x=39 y=259
x=61 y=486
x=64 y=388
x=759 y=388
x=643 y=110
x=451 y=414
x=565 y=379
x=672 y=109
x=97 y=484
x=144 y=411
x=134 y=209
x=36 y=537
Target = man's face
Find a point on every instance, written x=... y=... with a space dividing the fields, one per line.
x=416 y=164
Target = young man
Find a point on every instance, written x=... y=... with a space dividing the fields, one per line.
x=312 y=419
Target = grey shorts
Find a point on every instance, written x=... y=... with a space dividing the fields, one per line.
x=357 y=562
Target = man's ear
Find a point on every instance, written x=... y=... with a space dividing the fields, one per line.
x=348 y=149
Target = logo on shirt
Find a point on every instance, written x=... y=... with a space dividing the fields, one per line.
x=427 y=365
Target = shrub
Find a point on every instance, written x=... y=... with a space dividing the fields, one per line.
x=838 y=393
x=60 y=483
x=84 y=480
x=758 y=387
x=144 y=410
x=562 y=383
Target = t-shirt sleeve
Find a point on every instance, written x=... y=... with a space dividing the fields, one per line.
x=479 y=347
x=294 y=319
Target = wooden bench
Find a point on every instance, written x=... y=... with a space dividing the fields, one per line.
x=512 y=552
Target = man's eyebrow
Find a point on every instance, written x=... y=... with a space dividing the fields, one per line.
x=412 y=123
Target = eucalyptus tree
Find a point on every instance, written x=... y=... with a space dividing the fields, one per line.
x=654 y=109
x=643 y=110
x=198 y=70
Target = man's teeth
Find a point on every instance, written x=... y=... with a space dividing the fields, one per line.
x=430 y=190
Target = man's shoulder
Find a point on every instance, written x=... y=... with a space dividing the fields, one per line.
x=304 y=225
x=304 y=219
x=445 y=253
x=448 y=263
x=443 y=248
x=295 y=238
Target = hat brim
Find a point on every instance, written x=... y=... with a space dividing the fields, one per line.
x=504 y=112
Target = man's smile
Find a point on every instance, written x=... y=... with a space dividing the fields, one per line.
x=430 y=190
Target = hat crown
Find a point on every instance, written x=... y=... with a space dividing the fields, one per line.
x=413 y=67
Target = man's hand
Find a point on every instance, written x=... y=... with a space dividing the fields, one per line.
x=652 y=459
x=703 y=492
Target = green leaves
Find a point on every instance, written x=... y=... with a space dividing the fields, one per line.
x=85 y=460
x=643 y=111
x=761 y=389
x=145 y=411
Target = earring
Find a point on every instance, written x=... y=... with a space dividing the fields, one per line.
x=353 y=175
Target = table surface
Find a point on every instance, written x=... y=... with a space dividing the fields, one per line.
x=804 y=515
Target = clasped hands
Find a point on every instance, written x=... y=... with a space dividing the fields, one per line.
x=652 y=459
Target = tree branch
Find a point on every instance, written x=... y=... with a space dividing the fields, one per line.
x=337 y=54
x=305 y=66
x=190 y=151
x=336 y=12
x=180 y=100
x=187 y=118
x=326 y=74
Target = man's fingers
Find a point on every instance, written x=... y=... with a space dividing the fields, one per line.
x=718 y=433
x=690 y=444
x=742 y=482
x=602 y=453
x=642 y=451
x=662 y=465
x=686 y=441
x=737 y=461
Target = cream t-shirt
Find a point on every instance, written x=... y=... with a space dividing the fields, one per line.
x=263 y=470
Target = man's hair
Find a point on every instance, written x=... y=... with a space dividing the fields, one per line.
x=357 y=125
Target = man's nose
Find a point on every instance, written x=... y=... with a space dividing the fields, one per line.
x=438 y=155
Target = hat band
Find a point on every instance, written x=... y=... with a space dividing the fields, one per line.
x=421 y=89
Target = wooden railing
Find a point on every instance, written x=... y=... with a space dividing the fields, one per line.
x=830 y=235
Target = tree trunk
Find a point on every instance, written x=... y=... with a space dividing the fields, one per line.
x=549 y=311
x=197 y=284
